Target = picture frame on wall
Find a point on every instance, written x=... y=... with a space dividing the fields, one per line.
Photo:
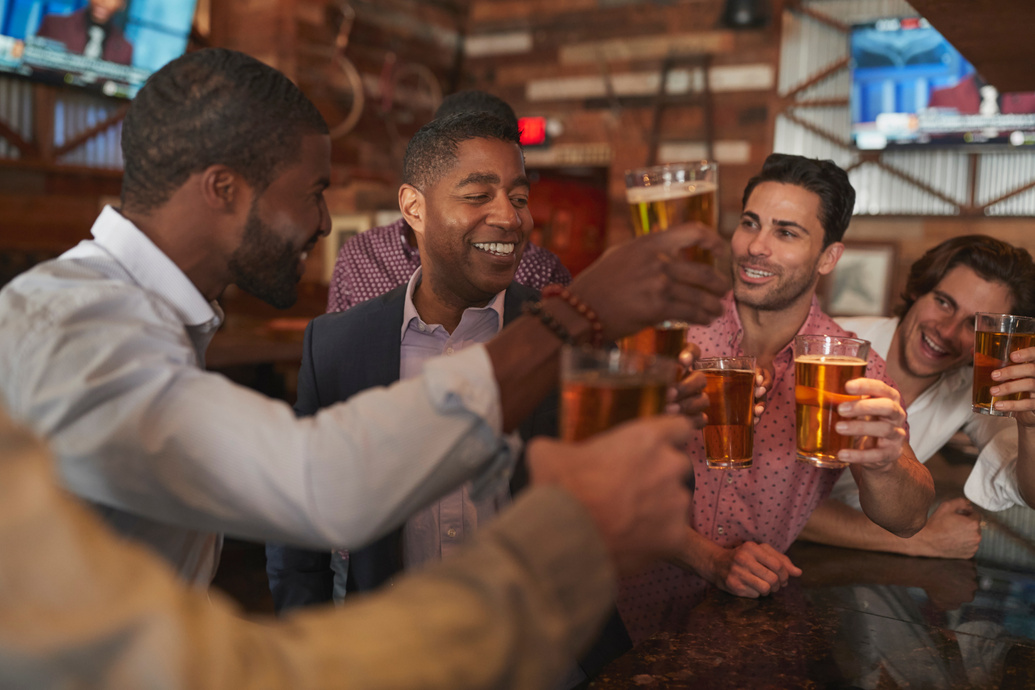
x=861 y=283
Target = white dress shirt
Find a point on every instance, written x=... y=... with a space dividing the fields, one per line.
x=442 y=527
x=936 y=415
x=101 y=351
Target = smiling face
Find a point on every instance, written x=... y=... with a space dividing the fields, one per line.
x=778 y=252
x=283 y=225
x=473 y=222
x=937 y=333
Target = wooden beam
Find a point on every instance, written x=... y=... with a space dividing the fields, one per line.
x=1020 y=190
x=920 y=184
x=15 y=140
x=821 y=103
x=88 y=134
x=788 y=98
x=816 y=130
x=796 y=7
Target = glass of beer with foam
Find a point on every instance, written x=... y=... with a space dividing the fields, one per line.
x=661 y=197
x=730 y=385
x=995 y=337
x=601 y=388
x=823 y=364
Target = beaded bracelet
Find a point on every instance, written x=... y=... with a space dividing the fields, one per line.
x=558 y=329
x=581 y=307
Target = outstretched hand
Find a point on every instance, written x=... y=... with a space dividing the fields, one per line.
x=646 y=281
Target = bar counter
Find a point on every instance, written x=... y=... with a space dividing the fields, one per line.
x=856 y=619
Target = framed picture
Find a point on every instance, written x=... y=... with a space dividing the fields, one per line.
x=860 y=284
x=343 y=226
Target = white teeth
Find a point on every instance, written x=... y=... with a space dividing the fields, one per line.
x=304 y=256
x=931 y=345
x=755 y=273
x=498 y=248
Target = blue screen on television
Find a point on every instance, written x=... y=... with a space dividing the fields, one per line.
x=112 y=46
x=910 y=86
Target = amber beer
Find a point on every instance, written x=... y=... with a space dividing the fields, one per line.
x=995 y=337
x=655 y=209
x=666 y=340
x=659 y=198
x=601 y=388
x=822 y=367
x=730 y=386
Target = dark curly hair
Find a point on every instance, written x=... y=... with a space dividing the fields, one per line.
x=992 y=260
x=433 y=149
x=209 y=107
x=823 y=178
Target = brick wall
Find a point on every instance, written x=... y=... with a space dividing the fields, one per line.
x=593 y=68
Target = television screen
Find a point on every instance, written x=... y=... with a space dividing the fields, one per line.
x=910 y=86
x=112 y=46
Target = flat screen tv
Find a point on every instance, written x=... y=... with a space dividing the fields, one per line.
x=910 y=87
x=111 y=46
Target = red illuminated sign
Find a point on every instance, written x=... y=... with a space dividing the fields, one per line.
x=533 y=130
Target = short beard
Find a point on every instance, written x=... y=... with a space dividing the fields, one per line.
x=783 y=298
x=264 y=265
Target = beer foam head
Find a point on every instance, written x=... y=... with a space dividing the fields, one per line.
x=830 y=360
x=664 y=192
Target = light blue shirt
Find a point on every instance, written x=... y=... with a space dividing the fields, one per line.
x=101 y=351
x=441 y=528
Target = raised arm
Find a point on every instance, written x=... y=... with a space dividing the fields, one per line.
x=895 y=490
x=635 y=285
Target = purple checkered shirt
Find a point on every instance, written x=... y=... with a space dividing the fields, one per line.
x=375 y=261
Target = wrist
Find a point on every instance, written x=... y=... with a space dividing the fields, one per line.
x=561 y=295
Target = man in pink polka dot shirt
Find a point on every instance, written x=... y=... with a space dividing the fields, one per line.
x=794 y=215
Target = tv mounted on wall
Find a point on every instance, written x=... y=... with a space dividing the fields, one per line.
x=910 y=87
x=111 y=46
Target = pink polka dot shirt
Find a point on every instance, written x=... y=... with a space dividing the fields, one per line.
x=768 y=503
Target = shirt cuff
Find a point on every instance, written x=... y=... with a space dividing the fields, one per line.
x=992 y=483
x=466 y=381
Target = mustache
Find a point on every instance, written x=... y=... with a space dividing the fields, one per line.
x=759 y=266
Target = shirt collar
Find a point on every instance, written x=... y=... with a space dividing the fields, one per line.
x=815 y=322
x=151 y=268
x=410 y=311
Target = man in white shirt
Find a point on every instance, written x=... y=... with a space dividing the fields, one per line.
x=929 y=350
x=102 y=350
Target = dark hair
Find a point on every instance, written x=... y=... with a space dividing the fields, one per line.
x=992 y=260
x=433 y=149
x=823 y=178
x=476 y=102
x=208 y=107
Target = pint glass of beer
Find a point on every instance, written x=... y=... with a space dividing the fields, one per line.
x=995 y=337
x=661 y=197
x=602 y=388
x=822 y=366
x=730 y=385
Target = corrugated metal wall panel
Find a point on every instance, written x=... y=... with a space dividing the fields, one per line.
x=861 y=11
x=74 y=113
x=947 y=171
x=832 y=120
x=16 y=113
x=879 y=192
x=1000 y=172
